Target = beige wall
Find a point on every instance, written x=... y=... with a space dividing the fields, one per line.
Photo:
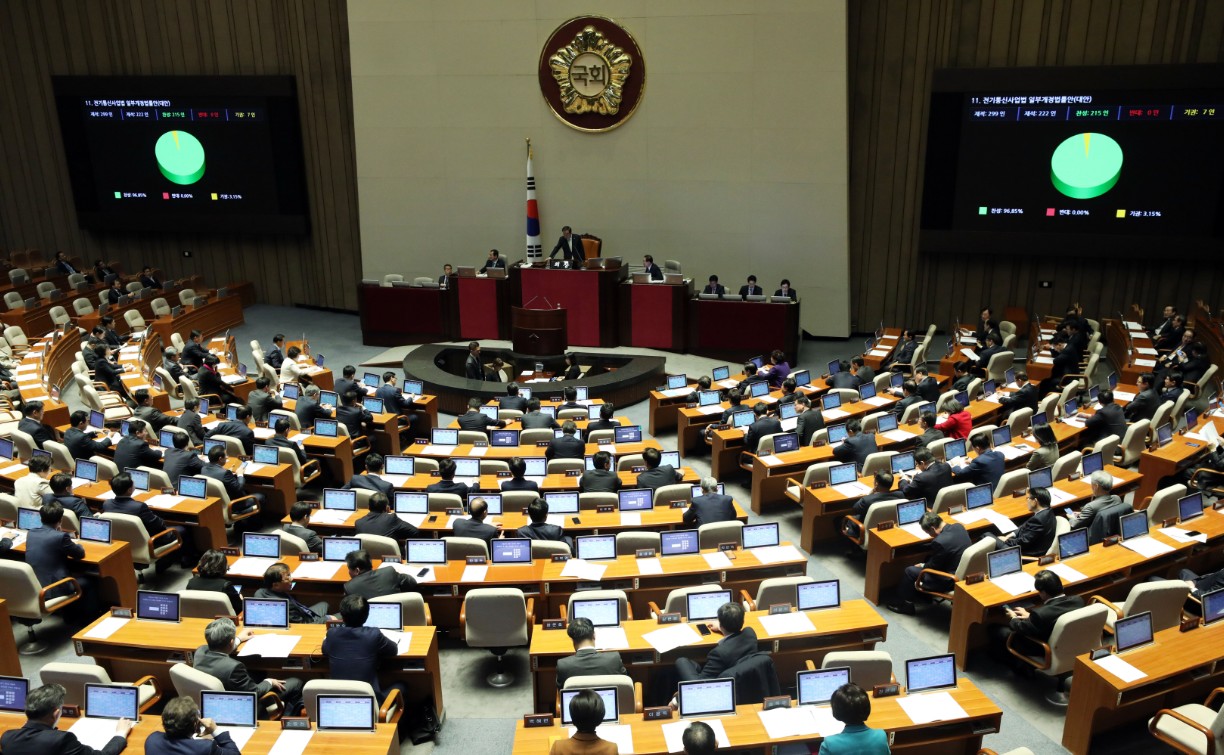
x=735 y=162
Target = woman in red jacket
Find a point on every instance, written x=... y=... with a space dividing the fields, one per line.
x=958 y=424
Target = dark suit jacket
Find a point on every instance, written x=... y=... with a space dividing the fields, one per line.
x=385 y=524
x=1143 y=407
x=1042 y=618
x=274 y=358
x=158 y=743
x=313 y=541
x=476 y=422
x=38 y=431
x=450 y=486
x=766 y=425
x=928 y=437
x=47 y=553
x=538 y=420
x=1024 y=398
x=37 y=738
x=229 y=670
x=575 y=252
x=589 y=662
x=228 y=480
x=656 y=272
x=134 y=452
x=946 y=550
x=179 y=462
x=717 y=288
x=237 y=430
x=519 y=483
x=370 y=481
x=308 y=410
x=355 y=654
x=154 y=417
x=1209 y=582
x=148 y=281
x=354 y=418
x=71 y=503
x=664 y=474
x=499 y=262
x=844 y=380
x=599 y=481
x=261 y=403
x=471 y=528
x=473 y=369
x=193 y=354
x=807 y=424
x=81 y=446
x=927 y=484
x=565 y=447
x=379 y=582
x=1108 y=420
x=864 y=504
x=211 y=382
x=217 y=584
x=709 y=508
x=393 y=399
x=190 y=421
x=543 y=531
x=855 y=448
x=792 y=293
x=1035 y=534
x=728 y=652
x=746 y=290
x=906 y=403
x=929 y=389
x=517 y=403
x=985 y=468
x=153 y=523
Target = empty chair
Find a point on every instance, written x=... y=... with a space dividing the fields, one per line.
x=23 y=444
x=775 y=591
x=232 y=510
x=867 y=667
x=444 y=501
x=422 y=280
x=388 y=713
x=493 y=466
x=880 y=461
x=1163 y=415
x=187 y=297
x=664 y=495
x=146 y=547
x=1010 y=482
x=497 y=618
x=1066 y=465
x=74 y=676
x=716 y=533
x=561 y=466
x=515 y=500
x=622 y=600
x=160 y=307
x=630 y=542
x=949 y=496
x=29 y=602
x=628 y=692
x=677 y=599
x=1162 y=504
x=1107 y=447
x=190 y=682
x=859 y=532
x=390 y=278
x=591 y=501
x=379 y=546
x=1075 y=633
x=1191 y=728
x=82 y=306
x=204 y=604
x=1133 y=445
x=471 y=436
x=999 y=364
x=16 y=337
x=1164 y=599
x=45 y=289
x=535 y=435
x=459 y=548
x=1020 y=421
x=134 y=319
x=134 y=287
x=17 y=276
x=13 y=300
x=59 y=316
x=548 y=548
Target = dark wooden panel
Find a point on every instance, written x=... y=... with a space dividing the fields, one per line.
x=305 y=38
x=893 y=48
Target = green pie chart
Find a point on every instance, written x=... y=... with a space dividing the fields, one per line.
x=1086 y=165
x=180 y=157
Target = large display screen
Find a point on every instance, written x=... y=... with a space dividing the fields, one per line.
x=1078 y=161
x=171 y=153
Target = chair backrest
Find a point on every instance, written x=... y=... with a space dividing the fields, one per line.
x=444 y=501
x=1020 y=421
x=561 y=466
x=515 y=500
x=44 y=289
x=8 y=507
x=595 y=499
x=629 y=461
x=882 y=382
x=291 y=545
x=1164 y=599
x=911 y=413
x=59 y=315
x=18 y=276
x=573 y=413
x=548 y=548
x=625 y=702
x=884 y=511
x=73 y=677
x=1107 y=446
x=1075 y=633
x=1179 y=406
x=204 y=604
x=1066 y=465
x=936 y=447
x=630 y=542
x=871 y=422
x=493 y=466
x=512 y=414
x=61 y=458
x=16 y=337
x=535 y=435
x=422 y=280
x=415 y=613
x=1068 y=392
x=1010 y=482
x=134 y=287
x=1133 y=444
x=980 y=430
x=134 y=319
x=495 y=617
x=777 y=590
x=974 y=388
x=973 y=559
x=107 y=469
x=187 y=296
x=818 y=472
x=867 y=667
x=19 y=588
x=23 y=444
x=160 y=307
x=390 y=278
x=755 y=678
x=316 y=687
x=677 y=599
x=459 y=548
x=379 y=546
x=1047 y=404
x=190 y=682
x=1163 y=414
x=471 y=436
x=765 y=445
x=715 y=533
x=132 y=531
x=277 y=414
x=949 y=496
x=880 y=461
x=621 y=598
x=665 y=494
x=176 y=340
x=13 y=300
x=1205 y=380
x=1062 y=525
x=1164 y=504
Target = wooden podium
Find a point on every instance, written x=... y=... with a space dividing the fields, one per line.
x=538 y=332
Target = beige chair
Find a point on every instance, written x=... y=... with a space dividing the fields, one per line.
x=1047 y=405
x=13 y=300
x=535 y=435
x=999 y=364
x=859 y=532
x=59 y=316
x=628 y=692
x=1162 y=504
x=16 y=337
x=61 y=458
x=980 y=430
x=867 y=667
x=18 y=276
x=1010 y=482
x=1107 y=447
x=1020 y=421
x=107 y=469
x=390 y=278
x=573 y=413
x=1196 y=388
x=111 y=404
x=510 y=415
x=621 y=598
x=379 y=546
x=459 y=548
x=23 y=444
x=187 y=297
x=146 y=548
x=388 y=713
x=630 y=542
x=493 y=466
x=45 y=289
x=74 y=676
x=1075 y=633
x=444 y=501
x=190 y=682
x=880 y=461
x=497 y=618
x=415 y=609
x=1164 y=599
x=160 y=307
x=229 y=508
x=818 y=472
x=1163 y=416
x=595 y=436
x=591 y=501
x=628 y=462
x=775 y=591
x=277 y=414
x=664 y=495
x=952 y=495
x=1066 y=465
x=516 y=500
x=233 y=446
x=467 y=437
x=712 y=535
x=549 y=548
x=677 y=599
x=561 y=466
x=134 y=287
x=1134 y=443
x=135 y=320
x=871 y=423
x=1191 y=728
x=204 y=604
x=29 y=602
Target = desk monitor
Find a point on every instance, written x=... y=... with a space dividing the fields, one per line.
x=758 y=360
x=582 y=393
x=595 y=547
x=801 y=378
x=670 y=458
x=370 y=380
x=231 y=412
x=676 y=381
x=627 y=434
x=843 y=473
x=834 y=367
x=1192 y=416
x=559 y=433
x=467 y=467
x=1092 y=463
x=1133 y=632
x=1094 y=393
x=761 y=535
x=537 y=466
x=1041 y=478
x=562 y=503
x=260 y=545
x=678 y=542
x=1072 y=543
x=978 y=496
x=326 y=428
x=1213 y=606
x=813 y=596
x=504 y=438
x=140 y=479
x=701 y=606
x=492 y=500
x=400 y=465
x=910 y=512
x=923 y=408
x=548 y=410
x=1189 y=507
x=411 y=503
x=97 y=420
x=373 y=405
x=202 y=411
x=866 y=391
x=95 y=530
x=210 y=444
x=902 y=462
x=758 y=389
x=267 y=455
x=896 y=380
x=635 y=499
x=336 y=548
x=270 y=613
x=489 y=411
x=721 y=372
x=511 y=550
x=417 y=388
x=607 y=694
x=157 y=606
x=962 y=398
x=886 y=423
x=838 y=433
x=165 y=439
x=742 y=418
x=787 y=410
x=830 y=401
x=593 y=412
x=340 y=499
x=708 y=398
x=1000 y=436
x=603 y=612
x=817 y=687
x=697 y=491
x=345 y=713
x=1112 y=380
x=931 y=673
x=229 y=708
x=191 y=487
x=112 y=701
x=1134 y=525
x=291 y=390
x=1040 y=418
x=443 y=436
x=329 y=398
x=989 y=388
x=1164 y=434
x=386 y=616
x=428 y=551
x=1071 y=408
x=86 y=470
x=13 y=691
x=784 y=442
x=1003 y=562
x=28 y=519
x=707 y=697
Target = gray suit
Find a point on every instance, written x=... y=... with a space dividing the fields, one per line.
x=234 y=675
x=261 y=403
x=1091 y=509
x=190 y=421
x=589 y=662
x=599 y=481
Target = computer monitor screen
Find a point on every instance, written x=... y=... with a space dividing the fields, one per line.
x=817 y=687
x=698 y=492
x=1164 y=433
x=549 y=410
x=602 y=612
x=761 y=535
x=336 y=548
x=897 y=380
x=210 y=444
x=561 y=503
x=416 y=388
x=267 y=455
x=400 y=465
x=231 y=413
x=962 y=398
x=329 y=398
x=1041 y=478
x=373 y=405
x=830 y=401
x=713 y=697
x=13 y=691
x=340 y=499
x=902 y=462
x=86 y=470
x=443 y=436
x=1092 y=463
x=593 y=412
x=467 y=468
x=1134 y=525
x=260 y=545
x=678 y=542
x=165 y=439
x=386 y=616
x=1190 y=506
x=1213 y=606
x=676 y=381
x=838 y=433
x=595 y=547
x=784 y=442
x=910 y=512
x=345 y=712
x=157 y=606
x=202 y=411
x=504 y=438
x=228 y=708
x=989 y=388
x=492 y=500
x=426 y=552
x=758 y=389
x=326 y=428
x=1000 y=436
x=886 y=423
x=140 y=478
x=1192 y=416
x=742 y=418
x=708 y=398
x=265 y=612
x=934 y=672
x=411 y=503
x=291 y=390
x=582 y=393
x=954 y=449
x=1001 y=563
x=112 y=701
x=1133 y=631
x=28 y=519
x=866 y=391
x=670 y=458
x=705 y=605
x=1072 y=543
x=1070 y=408
x=978 y=496
x=536 y=467
x=787 y=410
x=97 y=420
x=1040 y=418
x=812 y=596
x=607 y=694
x=95 y=530
x=1094 y=393
x=370 y=380
x=842 y=474
x=628 y=434
x=636 y=499
x=801 y=377
x=511 y=551
x=720 y=373
x=834 y=367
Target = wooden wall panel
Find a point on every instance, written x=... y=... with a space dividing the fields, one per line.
x=894 y=46
x=305 y=38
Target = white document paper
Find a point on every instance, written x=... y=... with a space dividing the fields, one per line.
x=402 y=640
x=1014 y=452
x=1002 y=523
x=329 y=516
x=474 y=573
x=1119 y=668
x=263 y=433
x=1124 y=395
x=251 y=467
x=1066 y=573
x=674 y=392
x=916 y=530
x=969 y=517
x=291 y=743
x=1016 y=583
x=413 y=570
x=106 y=628
x=611 y=638
x=584 y=570
x=12 y=469
x=717 y=560
x=805 y=721
x=270 y=645
x=1145 y=362
x=776 y=554
x=899 y=435
x=881 y=352
x=1182 y=536
x=674 y=732
x=1146 y=351
x=794 y=622
x=771 y=460
x=878 y=400
x=94 y=732
x=432 y=450
x=970 y=354
x=728 y=383
x=789 y=425
x=1044 y=360
x=649 y=566
x=630 y=519
x=1077 y=422
x=671 y=637
x=240 y=734
x=164 y=501
x=834 y=414
x=1059 y=496
x=478 y=451
x=248 y=566
x=1132 y=325
x=854 y=489
x=1147 y=546
x=711 y=409
x=317 y=569
x=934 y=706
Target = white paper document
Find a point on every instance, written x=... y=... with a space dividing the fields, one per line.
x=1066 y=573
x=1147 y=546
x=916 y=530
x=934 y=706
x=1145 y=362
x=899 y=436
x=416 y=520
x=270 y=645
x=881 y=352
x=474 y=573
x=1059 y=496
x=674 y=732
x=106 y=628
x=675 y=392
x=804 y=721
x=317 y=569
x=1182 y=536
x=878 y=400
x=829 y=414
x=1044 y=360
x=248 y=566
x=717 y=560
x=711 y=409
x=649 y=566
x=402 y=640
x=164 y=501
x=584 y=570
x=970 y=354
x=671 y=637
x=630 y=519
x=240 y=734
x=1001 y=523
x=1119 y=668
x=1146 y=351
x=1124 y=395
x=12 y=469
x=770 y=461
x=776 y=554
x=611 y=638
x=329 y=516
x=94 y=732
x=1077 y=422
x=1016 y=583
x=291 y=743
x=1014 y=452
x=728 y=383
x=969 y=517
x=432 y=450
x=478 y=451
x=795 y=622
x=854 y=489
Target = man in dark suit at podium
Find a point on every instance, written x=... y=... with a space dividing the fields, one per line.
x=751 y=288
x=714 y=287
x=569 y=245
x=654 y=271
x=444 y=278
x=495 y=260
x=784 y=289
x=473 y=369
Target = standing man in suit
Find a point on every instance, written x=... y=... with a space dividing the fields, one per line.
x=372 y=583
x=567 y=446
x=80 y=442
x=472 y=368
x=393 y=398
x=237 y=429
x=750 y=288
x=933 y=476
x=262 y=401
x=355 y=652
x=600 y=479
x=299 y=526
x=476 y=526
x=986 y=468
x=710 y=506
x=1146 y=403
x=539 y=528
x=494 y=261
x=857 y=446
x=371 y=480
x=948 y=543
x=185 y=733
x=737 y=642
x=190 y=421
x=181 y=460
x=807 y=420
x=714 y=287
x=569 y=245
x=216 y=659
x=586 y=660
x=381 y=521
x=276 y=355
x=654 y=271
x=444 y=278
x=1106 y=421
x=39 y=735
x=657 y=475
x=31 y=423
x=762 y=425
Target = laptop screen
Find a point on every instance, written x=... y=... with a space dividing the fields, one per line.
x=902 y=462
x=340 y=499
x=467 y=468
x=426 y=552
x=784 y=442
x=935 y=672
x=713 y=697
x=492 y=500
x=95 y=530
x=265 y=612
x=400 y=465
x=636 y=499
x=345 y=712
x=336 y=548
x=742 y=418
x=547 y=410
x=978 y=496
x=582 y=393
x=13 y=691
x=811 y=596
x=1000 y=436
x=1003 y=562
x=602 y=612
x=595 y=547
x=676 y=381
x=373 y=405
x=761 y=535
x=386 y=616
x=267 y=455
x=511 y=551
x=140 y=479
x=503 y=437
x=228 y=708
x=866 y=391
x=670 y=458
x=834 y=367
x=801 y=377
x=708 y=398
x=536 y=467
x=607 y=694
x=705 y=605
x=157 y=606
x=1190 y=506
x=561 y=503
x=166 y=438
x=416 y=388
x=1072 y=543
x=489 y=411
x=1133 y=631
x=954 y=449
x=86 y=470
x=838 y=433
x=28 y=519
x=111 y=701
x=788 y=410
x=1134 y=525
x=1070 y=408
x=758 y=389
x=411 y=503
x=442 y=436
x=628 y=434
x=326 y=428
x=1041 y=478
x=910 y=512
x=593 y=412
x=291 y=390
x=720 y=373
x=830 y=401
x=989 y=388
x=97 y=420
x=678 y=542
x=231 y=413
x=370 y=379
x=886 y=423
x=193 y=487
x=1092 y=463
x=260 y=545
x=842 y=473
x=817 y=687
x=1213 y=606
x=1040 y=418
x=1164 y=433
x=328 y=398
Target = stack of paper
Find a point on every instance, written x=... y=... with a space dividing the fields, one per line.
x=776 y=554
x=1059 y=496
x=649 y=566
x=611 y=638
x=1001 y=523
x=711 y=409
x=416 y=520
x=1182 y=536
x=675 y=392
x=770 y=460
x=1066 y=573
x=478 y=451
x=402 y=640
x=94 y=732
x=1016 y=583
x=270 y=645
x=584 y=570
x=717 y=560
x=292 y=742
x=239 y=734
x=916 y=530
x=329 y=516
x=1147 y=546
x=794 y=622
x=805 y=721
x=852 y=489
x=432 y=450
x=1119 y=668
x=630 y=519
x=835 y=414
x=474 y=573
x=316 y=569
x=934 y=706
x=1014 y=452
x=248 y=566
x=674 y=732
x=1124 y=395
x=164 y=501
x=671 y=637
x=728 y=383
x=263 y=433
x=899 y=435
x=878 y=400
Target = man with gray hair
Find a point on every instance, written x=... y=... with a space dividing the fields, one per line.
x=215 y=659
x=308 y=408
x=1102 y=498
x=40 y=737
x=710 y=506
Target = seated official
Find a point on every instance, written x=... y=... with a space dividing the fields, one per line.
x=926 y=423
x=290 y=370
x=735 y=397
x=372 y=583
x=601 y=479
x=569 y=394
x=1046 y=452
x=807 y=420
x=29 y=490
x=278 y=585
x=1146 y=402
x=444 y=278
x=211 y=382
x=1168 y=338
x=1037 y=623
x=699 y=739
x=986 y=468
x=354 y=416
x=657 y=475
x=714 y=287
x=133 y=449
x=587 y=713
x=275 y=356
x=650 y=268
x=348 y=381
x=216 y=659
x=170 y=363
x=184 y=732
x=789 y=393
x=961 y=376
x=881 y=491
x=539 y=528
x=262 y=401
x=189 y=421
x=933 y=476
x=751 y=375
x=31 y=423
x=494 y=261
x=1108 y=420
x=371 y=480
x=116 y=293
x=862 y=371
x=148 y=279
x=587 y=660
x=948 y=542
x=299 y=526
x=237 y=429
x=39 y=735
x=536 y=419
x=703 y=384
x=517 y=481
x=903 y=356
x=1024 y=398
x=851 y=705
x=211 y=570
x=737 y=643
x=762 y=425
x=844 y=379
x=512 y=400
x=1037 y=532
x=909 y=397
x=959 y=421
x=857 y=446
x=567 y=446
x=234 y=484
x=573 y=371
x=381 y=520
x=181 y=460
x=1103 y=497
x=991 y=348
x=446 y=482
x=355 y=652
x=308 y=409
x=123 y=503
x=750 y=288
x=1201 y=583
x=61 y=492
x=784 y=289
x=194 y=354
x=475 y=526
x=778 y=368
x=50 y=553
x=80 y=442
x=607 y=419
x=928 y=387
x=709 y=507
x=281 y=427
x=474 y=421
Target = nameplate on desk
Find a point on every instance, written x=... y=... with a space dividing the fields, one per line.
x=308 y=557
x=645 y=553
x=456 y=511
x=690 y=406
x=604 y=508
x=974 y=578
x=481 y=444
x=819 y=485
x=294 y=663
x=554 y=623
x=435 y=473
x=1019 y=493
x=331 y=623
x=1219 y=504
x=882 y=526
x=778 y=608
x=559 y=558
x=679 y=504
x=312 y=504
x=420 y=442
x=476 y=560
x=1044 y=560
x=543 y=443
x=956 y=509
x=656 y=714
x=1098 y=654
x=671 y=617
x=819 y=443
x=504 y=474
x=721 y=427
x=1075 y=476
x=295 y=723
x=728 y=547
x=573 y=473
x=1169 y=522
x=776 y=701
x=229 y=551
x=604 y=442
x=1188 y=624
x=537 y=720
x=638 y=469
x=70 y=711
x=392 y=560
x=121 y=613
x=886 y=690
x=1111 y=540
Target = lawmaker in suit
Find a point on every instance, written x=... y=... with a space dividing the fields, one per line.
x=190 y=421
x=986 y=468
x=238 y=429
x=276 y=355
x=216 y=659
x=1146 y=402
x=737 y=642
x=63 y=265
x=573 y=371
x=601 y=479
x=212 y=384
x=262 y=401
x=567 y=446
x=1037 y=623
x=714 y=287
x=587 y=712
x=933 y=476
x=710 y=506
x=371 y=480
x=49 y=551
x=948 y=543
x=444 y=278
x=31 y=423
x=569 y=245
x=381 y=521
x=39 y=735
x=494 y=261
x=586 y=660
x=299 y=526
x=473 y=420
x=1101 y=483
x=148 y=279
x=181 y=460
x=926 y=423
x=750 y=288
x=518 y=468
x=654 y=271
x=881 y=492
x=1023 y=398
x=149 y=413
x=446 y=483
x=909 y=397
x=512 y=399
x=308 y=409
x=472 y=368
x=194 y=353
x=123 y=503
x=278 y=585
x=761 y=426
x=784 y=289
x=115 y=293
x=185 y=733
x=539 y=528
x=1110 y=419
x=61 y=491
x=374 y=583
x=211 y=578
x=355 y=652
x=657 y=475
x=133 y=449
x=851 y=705
x=476 y=526
x=857 y=446
x=1037 y=532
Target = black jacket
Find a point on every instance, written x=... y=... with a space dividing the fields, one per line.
x=807 y=424
x=766 y=425
x=472 y=369
x=238 y=431
x=710 y=508
x=1025 y=398
x=153 y=523
x=134 y=452
x=855 y=448
x=1036 y=533
x=356 y=653
x=36 y=738
x=543 y=531
x=379 y=582
x=190 y=421
x=472 y=528
x=927 y=484
x=664 y=474
x=728 y=652
x=179 y=462
x=370 y=481
x=193 y=354
x=1143 y=407
x=599 y=481
x=1110 y=419
x=1040 y=623
x=565 y=447
x=38 y=431
x=385 y=524
x=946 y=550
x=230 y=671
x=313 y=541
x=589 y=662
x=81 y=445
x=217 y=584
x=154 y=417
x=308 y=410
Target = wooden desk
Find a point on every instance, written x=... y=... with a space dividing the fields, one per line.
x=468 y=450
x=147 y=647
x=1179 y=453
x=733 y=329
x=1119 y=341
x=855 y=625
x=589 y=298
x=655 y=315
x=553 y=483
x=889 y=341
x=205 y=517
x=216 y=316
x=37 y=319
x=746 y=732
x=10 y=662
x=115 y=569
x=48 y=363
x=435 y=314
x=143 y=306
